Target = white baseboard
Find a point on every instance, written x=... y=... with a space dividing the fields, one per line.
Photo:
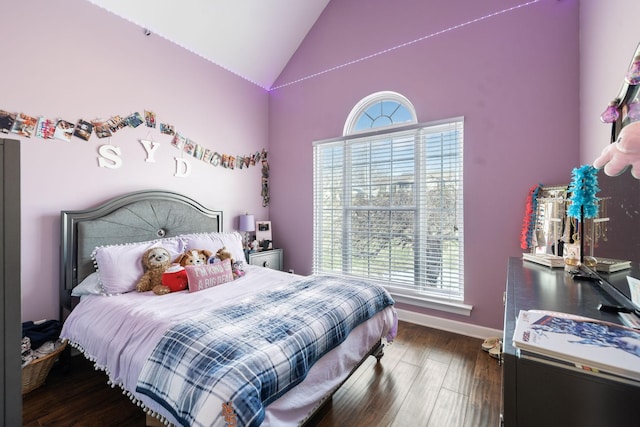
x=454 y=326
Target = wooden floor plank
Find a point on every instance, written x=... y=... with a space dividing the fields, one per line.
x=418 y=405
x=483 y=408
x=449 y=410
x=462 y=365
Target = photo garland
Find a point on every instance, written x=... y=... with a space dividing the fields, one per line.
x=45 y=128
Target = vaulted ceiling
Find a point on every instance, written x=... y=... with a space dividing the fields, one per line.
x=251 y=38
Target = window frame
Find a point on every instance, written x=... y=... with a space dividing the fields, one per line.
x=368 y=101
x=401 y=294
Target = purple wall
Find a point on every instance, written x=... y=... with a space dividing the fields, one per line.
x=514 y=78
x=74 y=60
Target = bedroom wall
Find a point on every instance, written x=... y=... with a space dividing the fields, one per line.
x=513 y=76
x=73 y=60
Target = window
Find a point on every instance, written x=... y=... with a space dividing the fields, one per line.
x=388 y=201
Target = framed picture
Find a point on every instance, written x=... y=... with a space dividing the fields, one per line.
x=263 y=235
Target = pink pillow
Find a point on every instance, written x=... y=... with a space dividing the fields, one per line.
x=209 y=275
x=120 y=266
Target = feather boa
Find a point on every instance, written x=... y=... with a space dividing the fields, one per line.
x=583 y=189
x=529 y=221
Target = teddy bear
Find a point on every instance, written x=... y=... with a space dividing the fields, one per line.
x=223 y=253
x=154 y=261
x=623 y=153
x=174 y=278
x=236 y=267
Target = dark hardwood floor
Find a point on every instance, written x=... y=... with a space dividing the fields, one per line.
x=427 y=377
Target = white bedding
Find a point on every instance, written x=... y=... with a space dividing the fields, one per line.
x=118 y=333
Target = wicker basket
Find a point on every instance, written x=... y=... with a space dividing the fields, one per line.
x=34 y=374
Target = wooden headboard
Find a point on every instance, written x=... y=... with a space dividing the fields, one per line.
x=133 y=217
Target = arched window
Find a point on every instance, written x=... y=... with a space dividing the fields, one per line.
x=379 y=110
x=388 y=203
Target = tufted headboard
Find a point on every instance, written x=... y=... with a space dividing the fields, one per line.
x=134 y=217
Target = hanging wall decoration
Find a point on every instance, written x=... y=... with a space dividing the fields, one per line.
x=265 y=179
x=45 y=128
x=24 y=125
x=64 y=130
x=110 y=156
x=83 y=130
x=134 y=120
x=150 y=118
x=150 y=146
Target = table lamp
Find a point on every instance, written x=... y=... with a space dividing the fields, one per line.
x=246 y=224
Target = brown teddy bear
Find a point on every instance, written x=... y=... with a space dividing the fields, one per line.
x=154 y=261
x=236 y=267
x=223 y=253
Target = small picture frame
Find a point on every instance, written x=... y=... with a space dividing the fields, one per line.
x=263 y=235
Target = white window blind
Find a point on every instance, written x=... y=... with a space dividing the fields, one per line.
x=388 y=207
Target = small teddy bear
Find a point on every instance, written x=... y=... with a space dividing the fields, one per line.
x=154 y=261
x=236 y=266
x=223 y=253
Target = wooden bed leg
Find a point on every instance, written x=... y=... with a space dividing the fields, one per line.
x=378 y=352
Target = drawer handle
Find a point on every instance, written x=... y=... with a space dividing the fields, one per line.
x=266 y=264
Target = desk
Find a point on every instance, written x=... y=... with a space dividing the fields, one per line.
x=536 y=392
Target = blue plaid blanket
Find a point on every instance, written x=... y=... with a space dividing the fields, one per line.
x=225 y=366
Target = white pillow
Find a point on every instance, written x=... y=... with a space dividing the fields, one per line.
x=89 y=286
x=120 y=266
x=215 y=241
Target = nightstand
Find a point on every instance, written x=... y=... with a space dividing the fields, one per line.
x=271 y=259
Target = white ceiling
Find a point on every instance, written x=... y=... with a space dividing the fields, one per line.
x=251 y=38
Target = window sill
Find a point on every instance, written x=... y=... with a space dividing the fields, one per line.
x=432 y=303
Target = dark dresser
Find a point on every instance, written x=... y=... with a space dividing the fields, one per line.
x=540 y=392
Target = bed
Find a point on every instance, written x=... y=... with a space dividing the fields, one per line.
x=264 y=348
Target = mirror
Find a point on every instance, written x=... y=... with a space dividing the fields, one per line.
x=628 y=97
x=550 y=229
x=619 y=237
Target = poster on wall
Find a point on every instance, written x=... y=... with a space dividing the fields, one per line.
x=6 y=121
x=83 y=130
x=24 y=125
x=64 y=130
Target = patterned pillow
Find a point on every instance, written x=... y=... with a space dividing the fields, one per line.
x=207 y=276
x=120 y=266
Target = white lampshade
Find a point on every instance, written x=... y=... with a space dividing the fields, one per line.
x=246 y=222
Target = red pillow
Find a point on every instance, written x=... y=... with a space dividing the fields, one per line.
x=175 y=278
x=208 y=275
